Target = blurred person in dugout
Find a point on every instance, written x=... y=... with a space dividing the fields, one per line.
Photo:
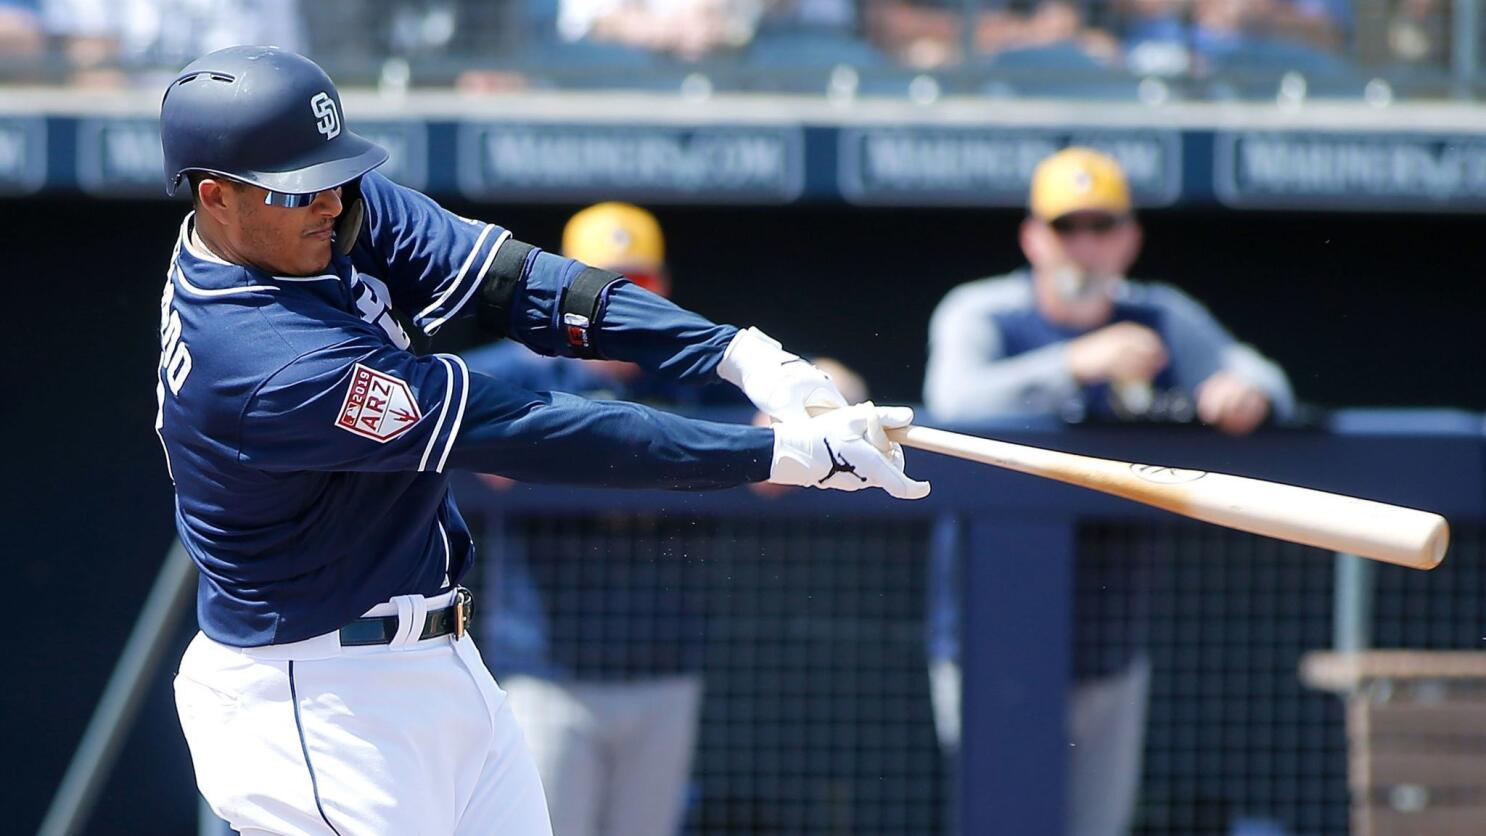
x=601 y=653
x=1069 y=335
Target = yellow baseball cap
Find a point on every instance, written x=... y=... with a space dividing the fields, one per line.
x=1078 y=179
x=615 y=236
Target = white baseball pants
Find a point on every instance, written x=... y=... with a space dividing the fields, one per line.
x=315 y=738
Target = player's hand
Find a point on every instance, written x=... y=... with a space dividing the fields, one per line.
x=779 y=383
x=845 y=449
x=1123 y=351
x=1231 y=404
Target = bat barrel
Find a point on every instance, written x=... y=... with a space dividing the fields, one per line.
x=1375 y=530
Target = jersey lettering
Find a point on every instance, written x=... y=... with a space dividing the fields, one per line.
x=175 y=363
x=372 y=299
x=175 y=355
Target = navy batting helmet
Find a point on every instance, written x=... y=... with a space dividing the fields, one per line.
x=263 y=116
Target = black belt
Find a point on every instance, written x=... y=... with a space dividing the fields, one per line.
x=382 y=629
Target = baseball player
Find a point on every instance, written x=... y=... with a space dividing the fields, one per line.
x=333 y=688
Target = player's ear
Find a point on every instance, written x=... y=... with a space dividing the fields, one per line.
x=212 y=197
x=1033 y=236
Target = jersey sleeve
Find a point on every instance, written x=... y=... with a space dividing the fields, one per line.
x=435 y=263
x=1196 y=339
x=432 y=260
x=633 y=324
x=969 y=374
x=356 y=406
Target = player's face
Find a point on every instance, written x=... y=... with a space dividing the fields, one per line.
x=1098 y=244
x=285 y=242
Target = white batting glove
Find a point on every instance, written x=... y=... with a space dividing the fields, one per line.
x=779 y=383
x=845 y=449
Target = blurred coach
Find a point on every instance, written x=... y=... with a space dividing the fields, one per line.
x=1069 y=335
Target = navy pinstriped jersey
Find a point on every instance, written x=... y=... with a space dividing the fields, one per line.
x=309 y=446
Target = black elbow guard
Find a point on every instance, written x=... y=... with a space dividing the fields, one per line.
x=501 y=281
x=581 y=303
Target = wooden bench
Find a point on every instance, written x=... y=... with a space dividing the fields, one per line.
x=1416 y=738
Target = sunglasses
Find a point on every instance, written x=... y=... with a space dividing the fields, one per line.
x=286 y=200
x=289 y=201
x=1097 y=224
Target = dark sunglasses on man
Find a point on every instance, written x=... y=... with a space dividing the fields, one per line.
x=1098 y=223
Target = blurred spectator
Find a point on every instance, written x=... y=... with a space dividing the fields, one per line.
x=926 y=35
x=1322 y=23
x=794 y=33
x=1155 y=36
x=1417 y=33
x=1050 y=22
x=370 y=32
x=106 y=40
x=831 y=15
x=685 y=29
x=1168 y=37
x=609 y=694
x=1071 y=334
x=20 y=29
x=1225 y=25
x=921 y=35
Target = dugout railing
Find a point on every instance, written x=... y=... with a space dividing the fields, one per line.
x=815 y=607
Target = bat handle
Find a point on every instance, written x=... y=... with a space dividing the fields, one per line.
x=909 y=436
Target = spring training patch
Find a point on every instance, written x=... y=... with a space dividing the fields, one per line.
x=378 y=406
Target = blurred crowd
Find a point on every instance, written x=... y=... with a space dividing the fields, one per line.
x=502 y=44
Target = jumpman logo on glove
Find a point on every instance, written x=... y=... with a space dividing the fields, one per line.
x=838 y=465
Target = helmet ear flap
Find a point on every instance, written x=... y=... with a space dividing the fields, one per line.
x=353 y=212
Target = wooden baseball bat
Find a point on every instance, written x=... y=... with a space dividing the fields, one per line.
x=1377 y=530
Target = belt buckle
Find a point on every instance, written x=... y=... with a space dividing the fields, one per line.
x=463 y=606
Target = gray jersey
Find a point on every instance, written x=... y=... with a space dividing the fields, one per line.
x=992 y=352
